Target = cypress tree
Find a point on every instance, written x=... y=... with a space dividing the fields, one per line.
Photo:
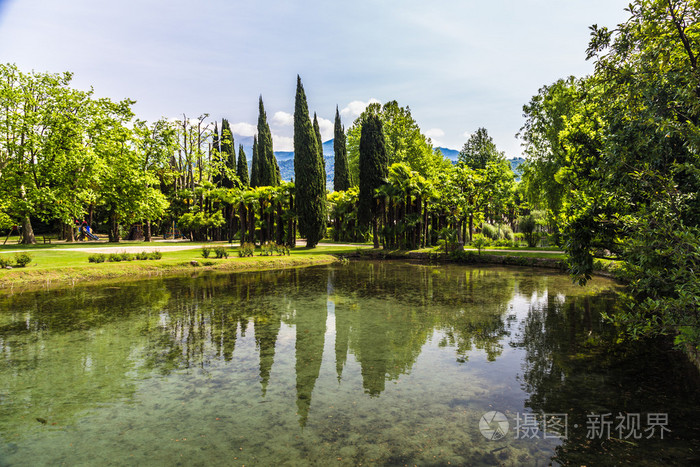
x=311 y=195
x=341 y=172
x=228 y=154
x=215 y=155
x=254 y=168
x=373 y=169
x=319 y=140
x=242 y=167
x=269 y=171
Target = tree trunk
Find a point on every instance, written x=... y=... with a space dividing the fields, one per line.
x=27 y=232
x=147 y=232
x=375 y=237
x=114 y=230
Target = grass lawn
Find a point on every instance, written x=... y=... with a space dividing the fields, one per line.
x=58 y=264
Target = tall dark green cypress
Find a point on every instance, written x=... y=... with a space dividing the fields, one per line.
x=311 y=195
x=255 y=165
x=269 y=174
x=242 y=167
x=228 y=154
x=341 y=171
x=215 y=155
x=319 y=140
x=373 y=168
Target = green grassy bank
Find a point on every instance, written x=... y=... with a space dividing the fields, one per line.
x=65 y=265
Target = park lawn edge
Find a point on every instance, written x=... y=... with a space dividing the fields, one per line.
x=25 y=279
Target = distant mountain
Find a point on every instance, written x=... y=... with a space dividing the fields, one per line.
x=285 y=159
x=451 y=154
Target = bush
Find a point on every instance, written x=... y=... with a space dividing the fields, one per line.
x=528 y=225
x=480 y=241
x=220 y=252
x=97 y=258
x=126 y=256
x=206 y=251
x=247 y=249
x=22 y=259
x=4 y=262
x=141 y=256
x=489 y=231
x=504 y=242
x=497 y=232
x=114 y=257
x=155 y=255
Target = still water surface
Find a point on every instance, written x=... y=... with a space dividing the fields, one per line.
x=368 y=363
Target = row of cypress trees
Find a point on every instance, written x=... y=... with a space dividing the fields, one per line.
x=309 y=164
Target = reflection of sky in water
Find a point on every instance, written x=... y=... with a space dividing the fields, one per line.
x=368 y=363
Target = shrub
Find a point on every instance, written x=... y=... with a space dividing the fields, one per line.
x=126 y=256
x=114 y=257
x=221 y=252
x=528 y=225
x=4 y=262
x=480 y=241
x=155 y=255
x=206 y=251
x=267 y=249
x=22 y=259
x=97 y=258
x=141 y=256
x=247 y=249
x=489 y=231
x=504 y=242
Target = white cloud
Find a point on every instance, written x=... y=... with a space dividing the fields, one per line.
x=282 y=143
x=354 y=109
x=327 y=129
x=434 y=133
x=283 y=119
x=244 y=129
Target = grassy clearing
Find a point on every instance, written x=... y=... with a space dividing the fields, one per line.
x=58 y=266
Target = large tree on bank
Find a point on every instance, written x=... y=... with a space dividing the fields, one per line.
x=373 y=172
x=308 y=172
x=269 y=171
x=341 y=172
x=242 y=167
x=319 y=140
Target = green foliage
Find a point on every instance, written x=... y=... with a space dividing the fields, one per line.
x=403 y=141
x=528 y=227
x=220 y=252
x=268 y=170
x=479 y=151
x=319 y=146
x=22 y=259
x=373 y=168
x=308 y=170
x=142 y=256
x=480 y=241
x=341 y=174
x=271 y=248
x=155 y=255
x=246 y=249
x=206 y=251
x=242 y=168
x=97 y=258
x=5 y=262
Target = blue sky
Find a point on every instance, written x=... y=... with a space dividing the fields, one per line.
x=459 y=65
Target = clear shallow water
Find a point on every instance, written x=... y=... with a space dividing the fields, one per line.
x=370 y=363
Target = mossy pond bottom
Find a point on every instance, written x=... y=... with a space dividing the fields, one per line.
x=363 y=364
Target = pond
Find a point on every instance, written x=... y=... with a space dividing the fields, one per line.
x=365 y=363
